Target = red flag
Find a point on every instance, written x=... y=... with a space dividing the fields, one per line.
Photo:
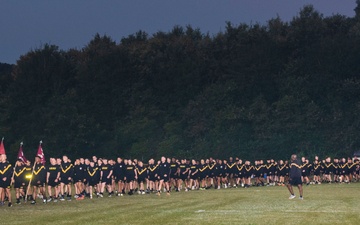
x=21 y=154
x=40 y=154
x=2 y=149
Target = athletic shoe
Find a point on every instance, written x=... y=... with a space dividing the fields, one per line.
x=301 y=198
x=33 y=202
x=90 y=196
x=168 y=193
x=62 y=198
x=292 y=196
x=44 y=200
x=81 y=197
x=49 y=200
x=10 y=204
x=18 y=201
x=158 y=193
x=69 y=198
x=55 y=200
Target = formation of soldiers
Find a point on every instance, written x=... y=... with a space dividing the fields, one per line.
x=94 y=177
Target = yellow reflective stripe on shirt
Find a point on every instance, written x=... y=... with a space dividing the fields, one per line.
x=37 y=172
x=93 y=173
x=204 y=168
x=4 y=171
x=67 y=169
x=142 y=171
x=152 y=170
x=20 y=172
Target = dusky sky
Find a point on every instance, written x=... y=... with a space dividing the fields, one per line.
x=26 y=25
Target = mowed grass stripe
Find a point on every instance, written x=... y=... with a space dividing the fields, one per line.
x=323 y=204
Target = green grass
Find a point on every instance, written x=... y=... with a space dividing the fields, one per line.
x=322 y=204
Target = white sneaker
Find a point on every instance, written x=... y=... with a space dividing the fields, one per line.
x=292 y=196
x=301 y=198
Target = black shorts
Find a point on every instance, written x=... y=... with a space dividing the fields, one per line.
x=194 y=177
x=173 y=176
x=65 y=180
x=106 y=180
x=93 y=183
x=5 y=184
x=52 y=183
x=141 y=179
x=19 y=184
x=162 y=177
x=78 y=179
x=295 y=181
x=183 y=176
x=152 y=177
x=202 y=176
x=119 y=178
x=130 y=178
x=38 y=183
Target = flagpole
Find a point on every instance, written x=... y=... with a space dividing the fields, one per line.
x=12 y=178
x=32 y=175
x=28 y=187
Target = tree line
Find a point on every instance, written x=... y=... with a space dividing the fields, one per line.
x=253 y=91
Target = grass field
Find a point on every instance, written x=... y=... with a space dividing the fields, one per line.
x=322 y=204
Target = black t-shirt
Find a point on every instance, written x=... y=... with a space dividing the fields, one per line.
x=67 y=170
x=19 y=173
x=79 y=171
x=130 y=170
x=119 y=170
x=183 y=168
x=53 y=171
x=106 y=169
x=163 y=168
x=5 y=170
x=93 y=173
x=295 y=169
x=39 y=172
x=173 y=166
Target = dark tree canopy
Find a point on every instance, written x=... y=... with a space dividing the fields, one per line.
x=252 y=91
